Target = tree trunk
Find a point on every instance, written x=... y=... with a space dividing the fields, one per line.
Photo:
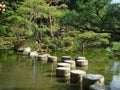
x=50 y=23
x=84 y=45
x=37 y=35
x=83 y=48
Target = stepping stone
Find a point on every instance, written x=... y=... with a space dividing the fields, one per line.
x=76 y=76
x=64 y=58
x=80 y=58
x=81 y=62
x=63 y=65
x=90 y=79
x=63 y=72
x=72 y=63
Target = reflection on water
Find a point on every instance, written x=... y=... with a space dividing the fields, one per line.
x=116 y=67
x=75 y=87
x=33 y=70
x=115 y=83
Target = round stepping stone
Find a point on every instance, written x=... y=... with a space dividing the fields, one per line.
x=76 y=76
x=80 y=58
x=72 y=63
x=63 y=72
x=52 y=59
x=64 y=58
x=81 y=62
x=63 y=65
x=90 y=79
x=99 y=87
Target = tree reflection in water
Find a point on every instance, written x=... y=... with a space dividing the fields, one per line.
x=115 y=83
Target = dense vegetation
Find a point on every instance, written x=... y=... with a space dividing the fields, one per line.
x=59 y=24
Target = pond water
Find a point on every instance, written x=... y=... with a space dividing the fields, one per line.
x=19 y=72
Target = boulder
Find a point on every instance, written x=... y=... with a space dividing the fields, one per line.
x=27 y=50
x=52 y=59
x=43 y=58
x=33 y=54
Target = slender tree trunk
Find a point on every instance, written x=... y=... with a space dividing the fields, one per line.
x=84 y=45
x=50 y=23
x=37 y=35
x=83 y=48
x=36 y=32
x=18 y=39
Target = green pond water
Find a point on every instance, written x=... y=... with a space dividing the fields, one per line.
x=18 y=72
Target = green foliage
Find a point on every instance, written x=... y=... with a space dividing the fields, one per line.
x=116 y=46
x=32 y=44
x=68 y=41
x=88 y=22
x=114 y=50
x=112 y=14
x=93 y=38
x=1 y=40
